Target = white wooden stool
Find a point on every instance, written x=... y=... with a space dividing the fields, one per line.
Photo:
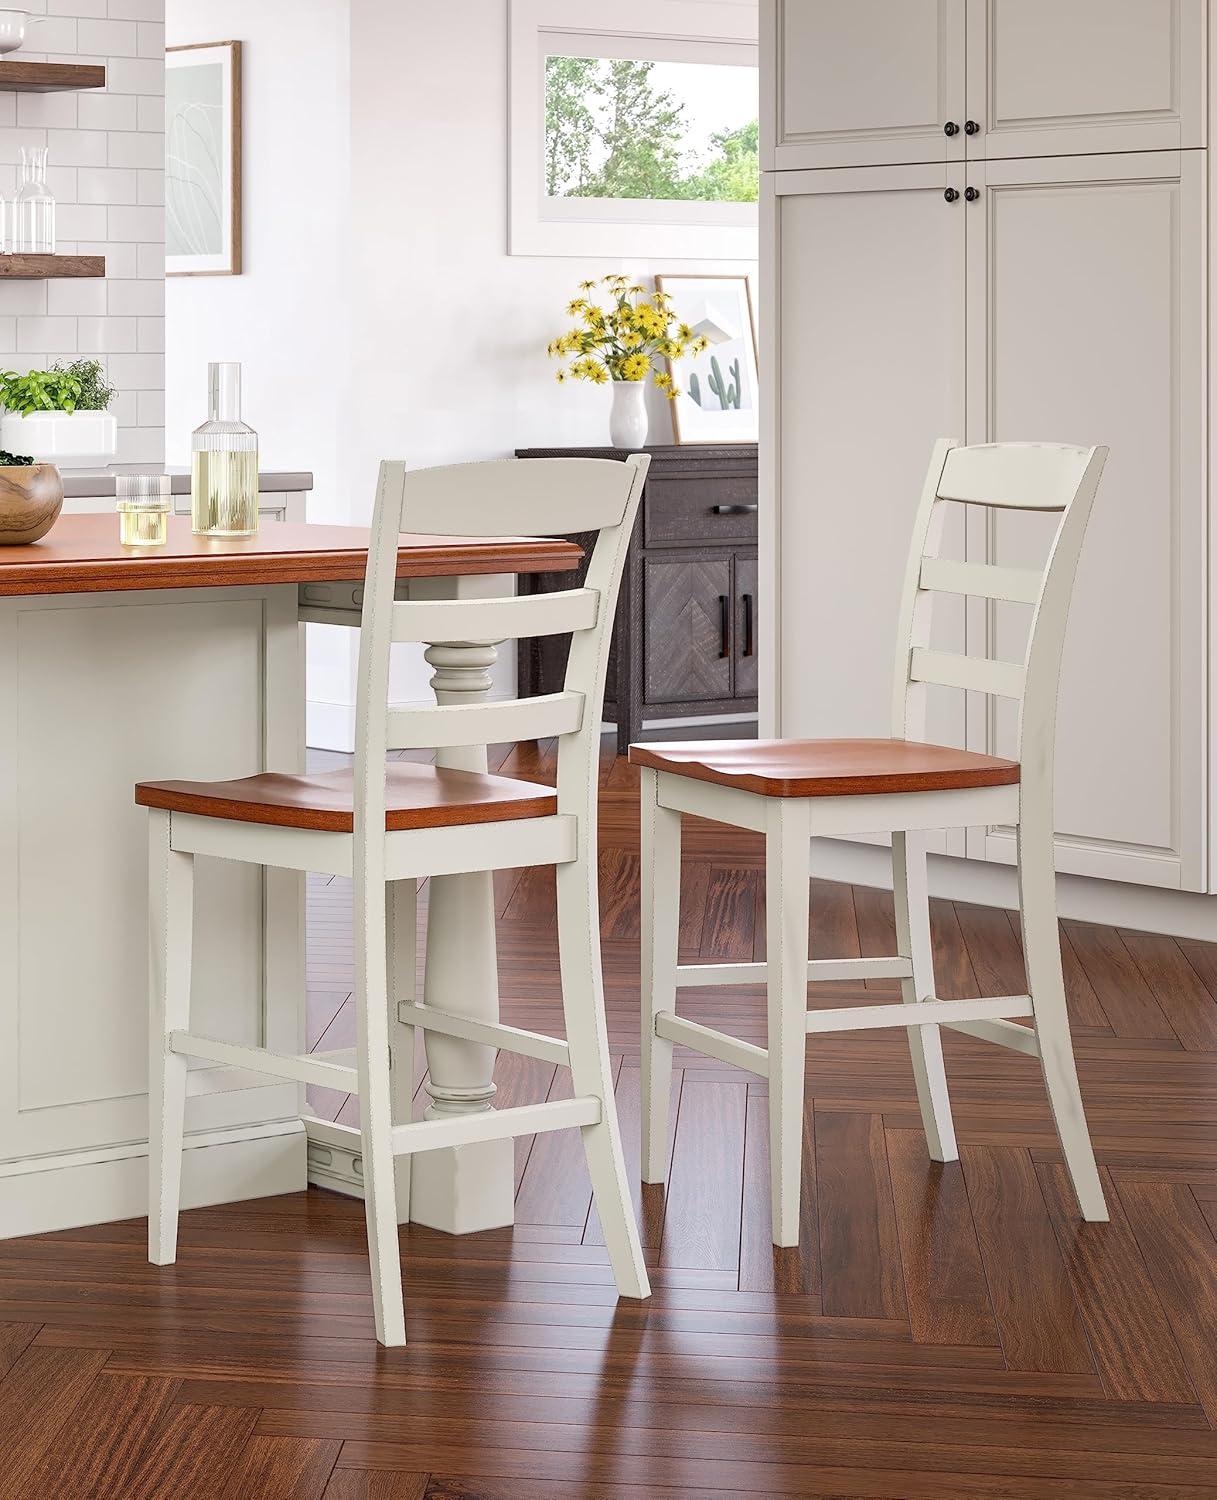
x=391 y=824
x=794 y=790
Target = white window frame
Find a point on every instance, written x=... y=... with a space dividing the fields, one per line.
x=723 y=31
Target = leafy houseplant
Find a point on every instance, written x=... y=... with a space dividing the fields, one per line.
x=60 y=413
x=620 y=342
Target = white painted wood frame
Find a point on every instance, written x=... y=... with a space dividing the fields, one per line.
x=506 y=498
x=1049 y=478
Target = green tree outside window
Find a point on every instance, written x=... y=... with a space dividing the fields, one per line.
x=611 y=133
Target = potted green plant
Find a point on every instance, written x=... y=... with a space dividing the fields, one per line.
x=60 y=415
x=31 y=497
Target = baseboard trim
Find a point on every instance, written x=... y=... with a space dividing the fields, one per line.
x=69 y=1190
x=336 y=1168
x=1186 y=914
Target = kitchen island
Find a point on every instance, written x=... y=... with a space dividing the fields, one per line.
x=185 y=661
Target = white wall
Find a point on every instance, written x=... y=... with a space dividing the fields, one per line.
x=421 y=337
x=449 y=330
x=284 y=318
x=107 y=172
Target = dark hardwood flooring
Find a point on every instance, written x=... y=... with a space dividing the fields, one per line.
x=948 y=1332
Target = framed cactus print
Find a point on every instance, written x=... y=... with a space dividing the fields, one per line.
x=718 y=386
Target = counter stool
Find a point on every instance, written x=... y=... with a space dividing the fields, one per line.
x=794 y=790
x=401 y=822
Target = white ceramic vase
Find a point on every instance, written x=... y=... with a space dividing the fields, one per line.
x=628 y=418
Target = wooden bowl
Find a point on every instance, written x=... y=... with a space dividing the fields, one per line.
x=30 y=501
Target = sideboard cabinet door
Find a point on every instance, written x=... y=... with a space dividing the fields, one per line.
x=852 y=83
x=1086 y=324
x=1047 y=78
x=747 y=579
x=689 y=629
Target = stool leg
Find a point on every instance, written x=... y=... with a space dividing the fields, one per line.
x=590 y=1068
x=170 y=932
x=787 y=893
x=911 y=893
x=660 y=925
x=401 y=945
x=375 y=1106
x=1045 y=981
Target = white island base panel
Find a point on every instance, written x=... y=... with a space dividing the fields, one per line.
x=100 y=691
x=129 y=684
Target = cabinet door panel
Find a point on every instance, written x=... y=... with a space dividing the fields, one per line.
x=688 y=629
x=870 y=371
x=1054 y=77
x=862 y=82
x=747 y=576
x=1086 y=325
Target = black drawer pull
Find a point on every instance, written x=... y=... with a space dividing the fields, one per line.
x=734 y=510
x=748 y=643
x=724 y=626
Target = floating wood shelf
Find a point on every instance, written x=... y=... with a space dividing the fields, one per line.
x=49 y=78
x=50 y=267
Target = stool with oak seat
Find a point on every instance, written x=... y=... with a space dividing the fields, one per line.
x=794 y=790
x=388 y=825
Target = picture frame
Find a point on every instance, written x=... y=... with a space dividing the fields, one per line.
x=203 y=159
x=718 y=401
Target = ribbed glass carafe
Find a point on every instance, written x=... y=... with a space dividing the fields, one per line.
x=224 y=464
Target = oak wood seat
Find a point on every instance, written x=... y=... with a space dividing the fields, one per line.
x=827 y=768
x=416 y=796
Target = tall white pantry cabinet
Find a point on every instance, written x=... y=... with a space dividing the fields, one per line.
x=988 y=219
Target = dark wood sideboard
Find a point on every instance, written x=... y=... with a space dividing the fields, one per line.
x=684 y=642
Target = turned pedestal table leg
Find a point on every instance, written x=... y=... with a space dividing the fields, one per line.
x=464 y=1188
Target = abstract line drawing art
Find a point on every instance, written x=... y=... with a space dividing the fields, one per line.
x=203 y=160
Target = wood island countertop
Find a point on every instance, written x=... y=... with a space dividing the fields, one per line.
x=82 y=555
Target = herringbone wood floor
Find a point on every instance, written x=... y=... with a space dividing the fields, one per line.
x=941 y=1332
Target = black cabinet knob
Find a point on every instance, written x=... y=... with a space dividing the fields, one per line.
x=971 y=194
x=951 y=195
x=950 y=128
x=971 y=128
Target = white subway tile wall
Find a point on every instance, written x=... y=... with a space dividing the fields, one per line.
x=107 y=153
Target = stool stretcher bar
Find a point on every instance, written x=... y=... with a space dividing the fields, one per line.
x=711 y=1043
x=495 y=1125
x=980 y=1018
x=819 y=971
x=326 y=1075
x=491 y=1034
x=920 y=1013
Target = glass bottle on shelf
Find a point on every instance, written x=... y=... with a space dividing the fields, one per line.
x=32 y=231
x=224 y=464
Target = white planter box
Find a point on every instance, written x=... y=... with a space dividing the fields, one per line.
x=70 y=440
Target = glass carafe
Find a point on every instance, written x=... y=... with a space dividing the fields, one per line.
x=224 y=465
x=33 y=218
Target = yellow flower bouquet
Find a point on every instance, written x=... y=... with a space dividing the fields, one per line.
x=623 y=339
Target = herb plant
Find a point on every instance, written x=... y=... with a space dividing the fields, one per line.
x=80 y=386
x=95 y=393
x=12 y=461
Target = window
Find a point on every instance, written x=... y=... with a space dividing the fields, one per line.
x=634 y=141
x=627 y=128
